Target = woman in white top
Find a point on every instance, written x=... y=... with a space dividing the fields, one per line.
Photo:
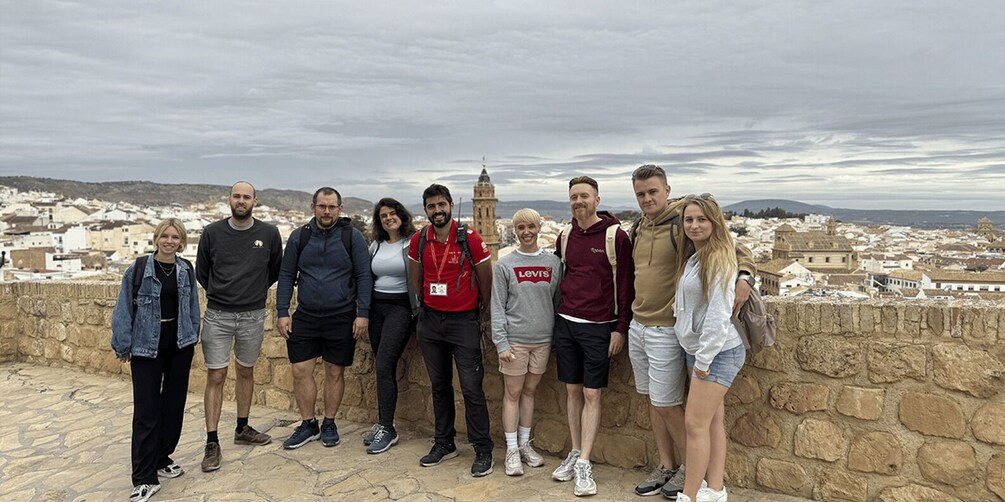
x=391 y=311
x=705 y=292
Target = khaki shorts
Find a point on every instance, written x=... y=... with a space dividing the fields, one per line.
x=530 y=358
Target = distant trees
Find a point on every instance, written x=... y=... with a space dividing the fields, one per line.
x=739 y=230
x=774 y=212
x=628 y=215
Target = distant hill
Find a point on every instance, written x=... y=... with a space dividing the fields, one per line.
x=146 y=193
x=558 y=210
x=913 y=218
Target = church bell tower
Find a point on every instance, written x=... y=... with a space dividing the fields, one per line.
x=484 y=212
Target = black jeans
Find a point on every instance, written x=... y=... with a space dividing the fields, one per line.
x=455 y=335
x=390 y=318
x=160 y=387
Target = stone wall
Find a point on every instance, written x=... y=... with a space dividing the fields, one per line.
x=859 y=400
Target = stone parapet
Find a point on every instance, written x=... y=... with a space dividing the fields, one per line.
x=858 y=400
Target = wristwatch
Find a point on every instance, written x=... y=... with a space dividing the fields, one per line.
x=743 y=276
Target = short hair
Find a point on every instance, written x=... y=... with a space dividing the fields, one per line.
x=435 y=190
x=326 y=191
x=254 y=192
x=173 y=223
x=584 y=179
x=526 y=215
x=377 y=229
x=647 y=171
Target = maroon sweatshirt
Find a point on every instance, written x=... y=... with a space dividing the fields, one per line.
x=588 y=286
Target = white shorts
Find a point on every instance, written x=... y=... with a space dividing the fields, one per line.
x=658 y=363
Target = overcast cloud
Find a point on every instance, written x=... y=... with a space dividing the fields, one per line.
x=863 y=104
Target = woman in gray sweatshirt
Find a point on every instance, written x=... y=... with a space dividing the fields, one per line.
x=524 y=298
x=714 y=352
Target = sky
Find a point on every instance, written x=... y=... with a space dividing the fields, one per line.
x=860 y=104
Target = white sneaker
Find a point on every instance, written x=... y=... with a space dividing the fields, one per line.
x=683 y=498
x=530 y=457
x=584 y=485
x=142 y=493
x=170 y=471
x=513 y=465
x=564 y=471
x=706 y=494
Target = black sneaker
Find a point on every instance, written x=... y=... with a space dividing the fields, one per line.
x=305 y=433
x=329 y=433
x=482 y=466
x=438 y=453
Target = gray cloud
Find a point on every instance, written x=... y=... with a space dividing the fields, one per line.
x=893 y=104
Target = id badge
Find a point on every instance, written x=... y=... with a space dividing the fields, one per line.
x=437 y=289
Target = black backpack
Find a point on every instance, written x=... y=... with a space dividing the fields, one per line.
x=674 y=228
x=305 y=237
x=462 y=241
x=141 y=265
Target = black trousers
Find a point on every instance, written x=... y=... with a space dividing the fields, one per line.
x=389 y=333
x=160 y=387
x=455 y=335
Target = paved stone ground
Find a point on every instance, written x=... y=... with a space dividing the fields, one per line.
x=64 y=435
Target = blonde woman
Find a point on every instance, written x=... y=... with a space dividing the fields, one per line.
x=524 y=297
x=714 y=352
x=155 y=328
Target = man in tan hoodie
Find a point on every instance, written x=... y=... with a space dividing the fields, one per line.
x=657 y=359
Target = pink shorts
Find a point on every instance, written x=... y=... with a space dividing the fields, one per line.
x=530 y=358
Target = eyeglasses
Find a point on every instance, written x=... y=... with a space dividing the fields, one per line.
x=325 y=207
x=704 y=196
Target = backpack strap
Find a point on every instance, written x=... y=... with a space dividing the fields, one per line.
x=633 y=236
x=462 y=241
x=139 y=267
x=612 y=257
x=423 y=240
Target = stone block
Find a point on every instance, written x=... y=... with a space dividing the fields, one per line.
x=757 y=428
x=263 y=372
x=282 y=377
x=412 y=405
x=888 y=319
x=738 y=471
x=953 y=463
x=828 y=355
x=551 y=435
x=800 y=398
x=745 y=390
x=914 y=493
x=821 y=439
x=892 y=362
x=278 y=399
x=935 y=322
x=932 y=415
x=771 y=359
x=879 y=452
x=867 y=319
x=996 y=475
x=860 y=402
x=988 y=423
x=839 y=486
x=620 y=450
x=614 y=412
x=958 y=367
x=786 y=477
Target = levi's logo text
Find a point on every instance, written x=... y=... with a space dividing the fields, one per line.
x=533 y=274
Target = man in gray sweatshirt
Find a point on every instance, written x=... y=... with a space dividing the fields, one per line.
x=237 y=261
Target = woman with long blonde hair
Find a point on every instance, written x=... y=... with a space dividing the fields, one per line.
x=707 y=269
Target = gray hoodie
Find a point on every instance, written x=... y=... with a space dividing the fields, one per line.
x=525 y=295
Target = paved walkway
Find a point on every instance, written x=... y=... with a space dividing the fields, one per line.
x=64 y=435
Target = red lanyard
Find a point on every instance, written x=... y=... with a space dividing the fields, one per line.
x=443 y=262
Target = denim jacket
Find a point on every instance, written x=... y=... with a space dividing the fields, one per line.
x=140 y=336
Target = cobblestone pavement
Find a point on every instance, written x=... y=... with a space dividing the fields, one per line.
x=64 y=435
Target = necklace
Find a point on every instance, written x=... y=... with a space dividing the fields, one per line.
x=167 y=270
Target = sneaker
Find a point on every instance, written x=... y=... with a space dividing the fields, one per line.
x=211 y=460
x=513 y=465
x=564 y=471
x=304 y=433
x=683 y=498
x=672 y=488
x=438 y=453
x=706 y=494
x=383 y=440
x=170 y=471
x=584 y=484
x=530 y=457
x=250 y=436
x=482 y=466
x=142 y=493
x=329 y=433
x=368 y=437
x=655 y=481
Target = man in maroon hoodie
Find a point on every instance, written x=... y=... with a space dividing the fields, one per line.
x=592 y=321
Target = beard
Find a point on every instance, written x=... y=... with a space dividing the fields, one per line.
x=440 y=224
x=241 y=214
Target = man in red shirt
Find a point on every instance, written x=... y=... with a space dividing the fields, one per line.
x=456 y=291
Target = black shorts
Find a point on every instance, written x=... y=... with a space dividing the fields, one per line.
x=329 y=337
x=581 y=352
